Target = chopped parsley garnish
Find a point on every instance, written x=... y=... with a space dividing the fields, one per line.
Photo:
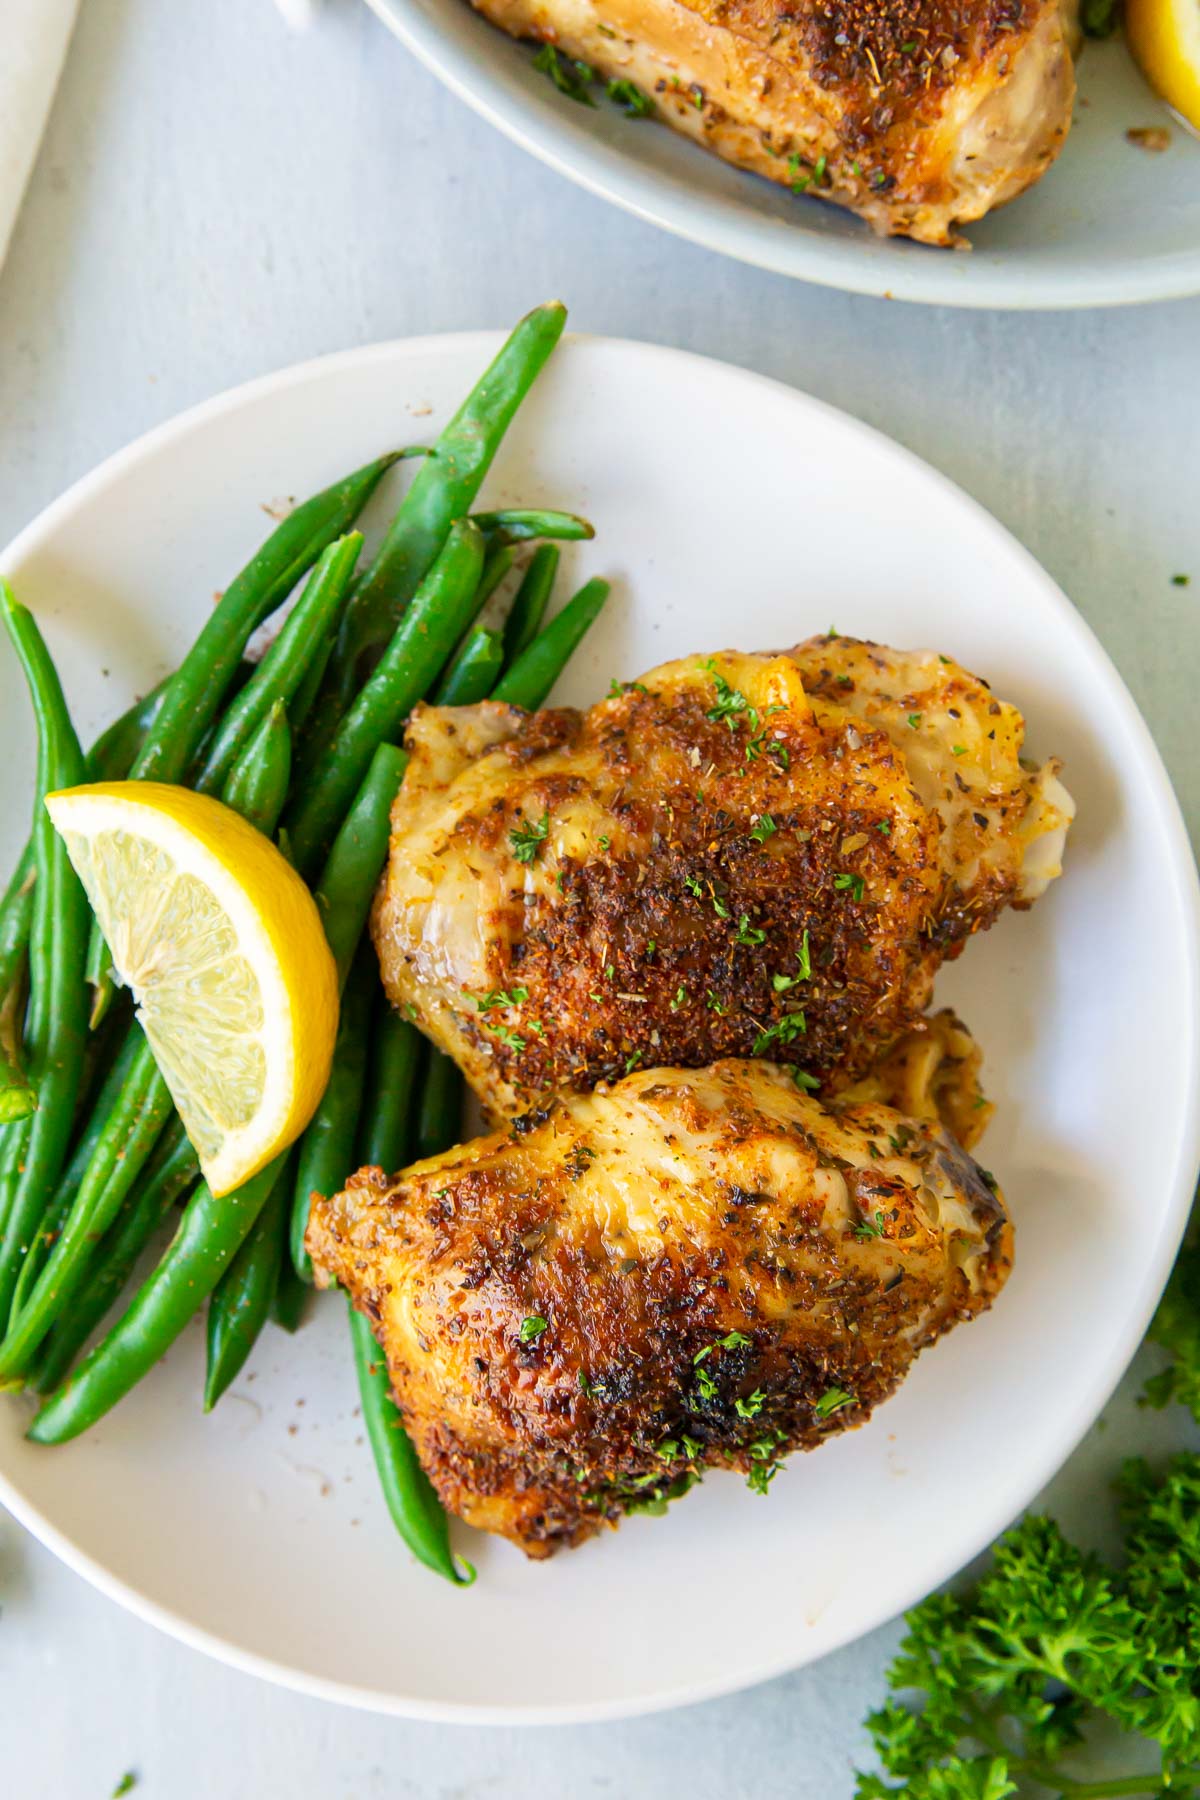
x=902 y=1139
x=730 y=700
x=631 y=1062
x=764 y=1450
x=716 y=1005
x=958 y=749
x=525 y=840
x=515 y=996
x=604 y=842
x=804 y=1080
x=914 y=720
x=719 y=907
x=783 y=1031
x=570 y=76
x=748 y=934
x=630 y=98
x=706 y=1385
x=819 y=168
x=751 y=1406
x=763 y=828
x=853 y=882
x=585 y=1386
x=532 y=1328
x=512 y=1040
x=693 y=884
x=870 y=1228
x=733 y=1340
x=1181 y=581
x=126 y=1785
x=781 y=983
x=884 y=825
x=833 y=1400
x=781 y=753
x=681 y=996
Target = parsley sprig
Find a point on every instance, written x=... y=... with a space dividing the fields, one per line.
x=1009 y=1680
x=526 y=840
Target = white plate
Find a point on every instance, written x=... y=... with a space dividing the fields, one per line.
x=1108 y=224
x=730 y=510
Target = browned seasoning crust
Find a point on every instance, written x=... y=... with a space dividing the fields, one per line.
x=919 y=115
x=556 y=1303
x=746 y=855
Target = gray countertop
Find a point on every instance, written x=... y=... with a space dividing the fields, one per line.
x=216 y=199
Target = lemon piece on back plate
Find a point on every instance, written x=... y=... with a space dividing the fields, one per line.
x=222 y=947
x=1164 y=35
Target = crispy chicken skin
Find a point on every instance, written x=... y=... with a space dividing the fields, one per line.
x=690 y=1269
x=741 y=855
x=919 y=115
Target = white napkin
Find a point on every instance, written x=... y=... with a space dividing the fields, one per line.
x=33 y=42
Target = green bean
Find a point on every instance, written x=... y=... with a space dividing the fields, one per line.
x=414 y=1506
x=439 y=1111
x=199 y=685
x=529 y=681
x=108 y=760
x=258 y=782
x=17 y=1098
x=112 y=755
x=170 y=1172
x=474 y=672
x=497 y=563
x=386 y=1133
x=72 y=1176
x=241 y=1300
x=529 y=604
x=57 y=1022
x=257 y=786
x=307 y=630
x=129 y=1135
x=291 y=1293
x=518 y=525
x=354 y=864
x=210 y=1234
x=421 y=644
x=326 y=1155
x=16 y=919
x=444 y=488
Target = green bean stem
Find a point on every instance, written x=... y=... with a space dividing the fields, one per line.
x=529 y=681
x=445 y=486
x=241 y=1300
x=529 y=603
x=308 y=629
x=199 y=685
x=474 y=672
x=211 y=1232
x=421 y=644
x=326 y=1154
x=170 y=1172
x=56 y=1027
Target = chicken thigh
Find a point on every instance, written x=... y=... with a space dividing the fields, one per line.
x=740 y=855
x=690 y=1269
x=918 y=115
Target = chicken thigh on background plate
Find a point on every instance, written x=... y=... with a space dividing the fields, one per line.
x=738 y=855
x=919 y=115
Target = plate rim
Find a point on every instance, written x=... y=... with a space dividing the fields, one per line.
x=1185 y=883
x=613 y=175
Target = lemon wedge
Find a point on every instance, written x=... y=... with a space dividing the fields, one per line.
x=1164 y=35
x=222 y=947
